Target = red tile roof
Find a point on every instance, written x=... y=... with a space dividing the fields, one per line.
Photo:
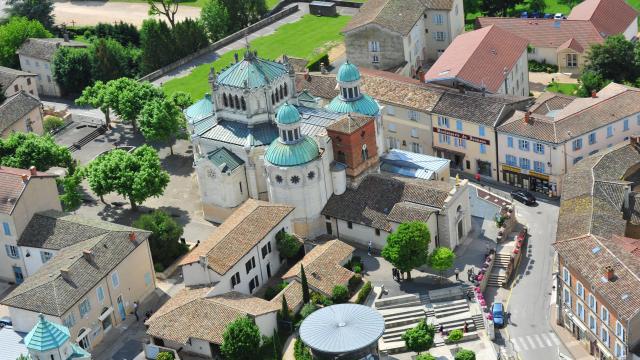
x=12 y=186
x=572 y=44
x=609 y=17
x=479 y=57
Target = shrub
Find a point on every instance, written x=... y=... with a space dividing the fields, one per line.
x=301 y=352
x=426 y=356
x=287 y=244
x=307 y=310
x=165 y=355
x=158 y=267
x=354 y=281
x=314 y=62
x=535 y=66
x=271 y=292
x=319 y=299
x=465 y=354
x=420 y=338
x=51 y=123
x=340 y=294
x=357 y=268
x=455 y=336
x=364 y=292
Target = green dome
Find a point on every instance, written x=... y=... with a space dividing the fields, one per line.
x=46 y=336
x=287 y=114
x=348 y=72
x=299 y=153
x=365 y=105
x=200 y=110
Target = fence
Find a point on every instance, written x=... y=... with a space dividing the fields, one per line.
x=220 y=43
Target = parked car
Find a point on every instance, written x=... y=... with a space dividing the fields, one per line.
x=523 y=196
x=524 y=15
x=5 y=321
x=558 y=16
x=548 y=16
x=497 y=310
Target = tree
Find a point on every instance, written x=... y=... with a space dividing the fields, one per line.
x=157 y=44
x=71 y=68
x=39 y=10
x=23 y=150
x=407 y=247
x=307 y=310
x=181 y=99
x=306 y=296
x=165 y=355
x=287 y=244
x=127 y=97
x=165 y=237
x=465 y=354
x=215 y=19
x=284 y=312
x=137 y=176
x=419 y=338
x=13 y=34
x=613 y=59
x=243 y=13
x=97 y=96
x=441 y=259
x=241 y=340
x=502 y=7
x=590 y=81
x=161 y=120
x=166 y=8
x=51 y=122
x=189 y=36
x=537 y=6
x=71 y=197
x=340 y=294
x=109 y=60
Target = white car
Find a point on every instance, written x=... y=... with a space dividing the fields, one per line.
x=558 y=16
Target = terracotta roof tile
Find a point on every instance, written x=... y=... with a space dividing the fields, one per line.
x=293 y=294
x=12 y=186
x=610 y=17
x=350 y=123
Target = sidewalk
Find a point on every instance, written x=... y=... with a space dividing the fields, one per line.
x=576 y=349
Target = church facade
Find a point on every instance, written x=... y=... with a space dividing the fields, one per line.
x=255 y=137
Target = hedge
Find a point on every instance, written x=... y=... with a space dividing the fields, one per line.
x=364 y=292
x=314 y=63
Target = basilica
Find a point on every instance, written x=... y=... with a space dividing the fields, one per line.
x=255 y=137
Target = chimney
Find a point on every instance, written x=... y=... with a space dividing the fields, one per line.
x=132 y=236
x=25 y=177
x=33 y=171
x=594 y=94
x=609 y=273
x=323 y=69
x=421 y=75
x=65 y=274
x=88 y=255
x=527 y=117
x=634 y=140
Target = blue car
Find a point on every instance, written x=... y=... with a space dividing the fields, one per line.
x=497 y=310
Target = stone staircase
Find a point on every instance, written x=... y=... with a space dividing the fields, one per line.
x=88 y=138
x=452 y=315
x=498 y=276
x=400 y=314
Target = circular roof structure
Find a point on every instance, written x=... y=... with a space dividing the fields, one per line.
x=364 y=105
x=348 y=72
x=342 y=328
x=287 y=114
x=298 y=153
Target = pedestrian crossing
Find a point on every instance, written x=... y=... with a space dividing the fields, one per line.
x=535 y=341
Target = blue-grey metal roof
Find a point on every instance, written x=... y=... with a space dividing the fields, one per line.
x=342 y=328
x=201 y=109
x=225 y=159
x=12 y=344
x=202 y=126
x=412 y=164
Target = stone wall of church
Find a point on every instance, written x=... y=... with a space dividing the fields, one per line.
x=220 y=192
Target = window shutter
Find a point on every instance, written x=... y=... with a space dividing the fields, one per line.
x=8 y=250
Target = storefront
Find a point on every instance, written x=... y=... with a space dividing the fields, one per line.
x=529 y=180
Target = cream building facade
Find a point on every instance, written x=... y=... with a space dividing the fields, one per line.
x=21 y=112
x=13 y=81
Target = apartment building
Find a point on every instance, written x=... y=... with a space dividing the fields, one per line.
x=13 y=81
x=538 y=147
x=598 y=244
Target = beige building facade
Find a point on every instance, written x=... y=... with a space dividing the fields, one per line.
x=21 y=113
x=14 y=81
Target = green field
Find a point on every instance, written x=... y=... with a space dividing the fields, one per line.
x=563 y=88
x=303 y=38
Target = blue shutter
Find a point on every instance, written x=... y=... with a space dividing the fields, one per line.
x=8 y=250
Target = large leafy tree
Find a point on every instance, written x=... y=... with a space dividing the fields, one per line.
x=613 y=59
x=419 y=338
x=241 y=340
x=39 y=10
x=23 y=150
x=161 y=120
x=165 y=237
x=287 y=244
x=591 y=81
x=71 y=197
x=137 y=176
x=97 y=96
x=13 y=34
x=407 y=247
x=71 y=68
x=243 y=13
x=127 y=97
x=441 y=259
x=109 y=60
x=166 y=8
x=215 y=18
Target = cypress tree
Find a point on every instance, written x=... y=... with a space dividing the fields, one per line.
x=306 y=297
x=285 y=309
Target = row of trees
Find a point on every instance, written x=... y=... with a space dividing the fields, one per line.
x=13 y=34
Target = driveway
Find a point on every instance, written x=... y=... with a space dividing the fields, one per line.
x=93 y=12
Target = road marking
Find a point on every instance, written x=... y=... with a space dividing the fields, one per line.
x=546 y=340
x=530 y=340
x=523 y=344
x=516 y=346
x=555 y=339
x=537 y=337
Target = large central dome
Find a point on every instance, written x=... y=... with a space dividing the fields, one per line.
x=252 y=72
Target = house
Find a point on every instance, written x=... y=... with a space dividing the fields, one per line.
x=538 y=147
x=13 y=81
x=415 y=165
x=597 y=241
x=193 y=321
x=488 y=59
x=22 y=194
x=89 y=286
x=401 y=35
x=565 y=43
x=36 y=57
x=241 y=255
x=381 y=202
x=21 y=112
x=464 y=129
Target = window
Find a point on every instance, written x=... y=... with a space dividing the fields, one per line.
x=69 y=321
x=438 y=19
x=512 y=160
x=443 y=121
x=235 y=279
x=85 y=308
x=566 y=276
x=481 y=130
x=414 y=115
x=440 y=35
x=240 y=185
x=604 y=315
x=253 y=284
x=567 y=297
x=459 y=125
x=45 y=256
x=625 y=125
x=252 y=262
x=295 y=179
x=593 y=304
x=510 y=142
x=392 y=127
x=604 y=336
x=609 y=131
x=147 y=279
x=483 y=149
x=460 y=142
x=538 y=166
x=377 y=232
x=580 y=310
x=592 y=324
x=6 y=228
x=577 y=144
x=393 y=143
x=266 y=250
x=100 y=294
x=416 y=148
x=374 y=46
x=48 y=78
x=620 y=331
x=580 y=290
x=525 y=163
x=115 y=280
x=12 y=251
x=572 y=60
x=444 y=139
x=523 y=145
x=15 y=87
x=538 y=148
x=576 y=160
x=619 y=351
x=391 y=110
x=375 y=59
x=349 y=224
x=414 y=133
x=592 y=138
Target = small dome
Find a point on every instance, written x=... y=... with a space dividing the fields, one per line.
x=348 y=72
x=287 y=114
x=365 y=105
x=302 y=152
x=46 y=336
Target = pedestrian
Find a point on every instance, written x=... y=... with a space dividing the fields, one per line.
x=135 y=310
x=457 y=272
x=470 y=295
x=369 y=249
x=441 y=330
x=394 y=272
x=466 y=327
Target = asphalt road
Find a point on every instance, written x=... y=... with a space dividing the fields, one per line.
x=530 y=299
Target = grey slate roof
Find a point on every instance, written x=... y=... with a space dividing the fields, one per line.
x=45 y=48
x=48 y=292
x=225 y=159
x=15 y=108
x=9 y=75
x=56 y=230
x=373 y=201
x=489 y=110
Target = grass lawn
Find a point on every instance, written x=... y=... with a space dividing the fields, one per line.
x=563 y=88
x=302 y=38
x=200 y=3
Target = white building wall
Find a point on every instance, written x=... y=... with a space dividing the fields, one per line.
x=544 y=55
x=46 y=83
x=632 y=30
x=456 y=209
x=22 y=83
x=267 y=323
x=197 y=347
x=358 y=234
x=33 y=258
x=24 y=320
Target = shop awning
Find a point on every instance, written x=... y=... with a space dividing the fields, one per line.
x=105 y=314
x=83 y=334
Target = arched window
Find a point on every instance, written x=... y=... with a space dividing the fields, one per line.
x=237 y=101
x=290 y=135
x=277 y=96
x=350 y=93
x=243 y=103
x=344 y=93
x=286 y=90
x=356 y=91
x=281 y=92
x=224 y=100
x=296 y=134
x=273 y=99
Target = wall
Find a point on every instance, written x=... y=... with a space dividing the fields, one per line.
x=632 y=30
x=45 y=82
x=449 y=217
x=197 y=347
x=33 y=262
x=358 y=234
x=391 y=52
x=562 y=61
x=544 y=55
x=267 y=323
x=23 y=83
x=433 y=47
x=20 y=125
x=518 y=78
x=224 y=190
x=350 y=146
x=399 y=117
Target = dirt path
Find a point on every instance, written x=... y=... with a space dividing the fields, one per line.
x=93 y=12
